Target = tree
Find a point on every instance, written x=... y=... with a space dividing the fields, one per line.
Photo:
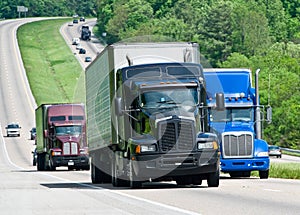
x=277 y=19
x=216 y=34
x=236 y=60
x=251 y=31
x=128 y=17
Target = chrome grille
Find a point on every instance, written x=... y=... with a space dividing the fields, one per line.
x=70 y=148
x=177 y=135
x=237 y=144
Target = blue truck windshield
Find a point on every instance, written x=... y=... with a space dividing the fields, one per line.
x=232 y=115
x=68 y=130
x=170 y=98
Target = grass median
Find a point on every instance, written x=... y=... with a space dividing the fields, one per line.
x=52 y=70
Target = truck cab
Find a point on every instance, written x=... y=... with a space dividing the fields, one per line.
x=61 y=137
x=242 y=150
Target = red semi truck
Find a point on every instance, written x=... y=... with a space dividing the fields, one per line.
x=61 y=137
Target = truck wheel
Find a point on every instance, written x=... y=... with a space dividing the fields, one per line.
x=213 y=179
x=264 y=174
x=95 y=174
x=41 y=162
x=116 y=180
x=134 y=180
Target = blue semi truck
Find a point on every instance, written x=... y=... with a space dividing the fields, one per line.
x=239 y=126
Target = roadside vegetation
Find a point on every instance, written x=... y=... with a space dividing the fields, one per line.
x=283 y=170
x=231 y=33
x=52 y=70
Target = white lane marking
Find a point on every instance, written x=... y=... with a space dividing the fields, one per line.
x=272 y=190
x=21 y=69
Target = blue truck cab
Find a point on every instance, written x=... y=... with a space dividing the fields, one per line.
x=239 y=124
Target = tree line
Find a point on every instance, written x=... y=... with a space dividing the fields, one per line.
x=254 y=34
x=46 y=8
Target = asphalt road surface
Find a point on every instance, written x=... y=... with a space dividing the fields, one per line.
x=24 y=191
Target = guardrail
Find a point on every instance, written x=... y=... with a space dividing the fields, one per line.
x=291 y=150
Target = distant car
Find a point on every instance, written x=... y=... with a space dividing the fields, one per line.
x=32 y=133
x=88 y=59
x=275 y=151
x=79 y=46
x=75 y=21
x=34 y=157
x=82 y=19
x=75 y=41
x=82 y=51
x=13 y=129
x=71 y=24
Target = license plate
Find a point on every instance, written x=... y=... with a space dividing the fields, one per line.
x=71 y=163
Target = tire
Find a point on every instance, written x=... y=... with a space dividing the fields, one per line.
x=133 y=179
x=116 y=180
x=264 y=174
x=213 y=179
x=41 y=162
x=97 y=175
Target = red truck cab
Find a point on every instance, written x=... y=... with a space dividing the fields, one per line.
x=63 y=142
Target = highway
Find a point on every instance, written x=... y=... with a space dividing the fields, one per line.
x=24 y=191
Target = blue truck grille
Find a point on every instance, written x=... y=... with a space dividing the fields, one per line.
x=237 y=144
x=176 y=135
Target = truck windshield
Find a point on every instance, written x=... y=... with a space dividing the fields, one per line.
x=232 y=114
x=183 y=97
x=63 y=130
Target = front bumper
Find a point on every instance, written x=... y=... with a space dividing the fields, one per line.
x=175 y=164
x=74 y=161
x=248 y=164
x=13 y=133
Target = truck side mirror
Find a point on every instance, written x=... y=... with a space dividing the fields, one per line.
x=118 y=106
x=220 y=101
x=269 y=114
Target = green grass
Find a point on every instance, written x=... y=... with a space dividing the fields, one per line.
x=283 y=170
x=53 y=71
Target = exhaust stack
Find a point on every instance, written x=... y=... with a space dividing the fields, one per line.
x=257 y=110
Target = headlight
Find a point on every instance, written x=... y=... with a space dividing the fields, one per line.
x=145 y=148
x=84 y=151
x=208 y=145
x=263 y=154
x=55 y=153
